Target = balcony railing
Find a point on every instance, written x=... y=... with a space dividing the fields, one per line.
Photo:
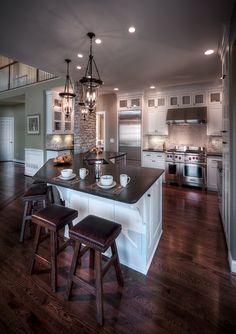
x=16 y=75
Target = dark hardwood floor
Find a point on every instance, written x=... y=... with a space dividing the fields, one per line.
x=188 y=289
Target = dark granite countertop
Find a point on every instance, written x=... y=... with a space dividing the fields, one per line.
x=60 y=149
x=153 y=150
x=214 y=154
x=141 y=178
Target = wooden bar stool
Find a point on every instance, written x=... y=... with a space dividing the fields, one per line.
x=54 y=218
x=97 y=234
x=35 y=195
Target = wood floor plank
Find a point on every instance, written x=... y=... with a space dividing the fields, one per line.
x=188 y=288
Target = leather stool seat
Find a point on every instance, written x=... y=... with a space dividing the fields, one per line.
x=35 y=191
x=96 y=234
x=54 y=218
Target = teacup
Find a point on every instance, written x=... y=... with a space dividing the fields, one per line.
x=124 y=180
x=66 y=172
x=106 y=180
x=83 y=172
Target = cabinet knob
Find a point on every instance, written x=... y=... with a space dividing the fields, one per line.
x=149 y=195
x=224 y=142
x=224 y=131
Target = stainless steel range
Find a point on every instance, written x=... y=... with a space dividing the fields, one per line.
x=186 y=167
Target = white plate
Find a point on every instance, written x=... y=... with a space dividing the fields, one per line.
x=72 y=176
x=106 y=187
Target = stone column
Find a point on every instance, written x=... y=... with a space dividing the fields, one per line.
x=84 y=130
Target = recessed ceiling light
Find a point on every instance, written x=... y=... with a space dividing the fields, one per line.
x=131 y=29
x=209 y=52
x=152 y=87
x=80 y=55
x=78 y=67
x=98 y=41
x=116 y=88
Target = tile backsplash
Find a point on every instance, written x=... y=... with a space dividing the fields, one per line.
x=189 y=135
x=59 y=141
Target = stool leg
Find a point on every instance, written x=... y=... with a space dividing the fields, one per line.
x=53 y=241
x=35 y=249
x=72 y=269
x=99 y=287
x=91 y=258
x=119 y=275
x=22 y=233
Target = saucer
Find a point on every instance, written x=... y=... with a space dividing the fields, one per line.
x=72 y=176
x=106 y=187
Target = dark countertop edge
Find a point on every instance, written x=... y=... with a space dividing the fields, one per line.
x=214 y=154
x=60 y=149
x=152 y=150
x=112 y=197
x=116 y=155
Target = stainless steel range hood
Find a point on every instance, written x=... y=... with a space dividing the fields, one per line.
x=194 y=115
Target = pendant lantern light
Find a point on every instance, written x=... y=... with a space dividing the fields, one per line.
x=68 y=95
x=82 y=107
x=91 y=80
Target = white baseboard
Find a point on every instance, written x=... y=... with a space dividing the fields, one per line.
x=232 y=263
x=20 y=161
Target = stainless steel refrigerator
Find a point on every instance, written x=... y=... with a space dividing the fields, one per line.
x=130 y=134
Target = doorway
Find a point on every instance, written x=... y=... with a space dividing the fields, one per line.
x=6 y=138
x=101 y=129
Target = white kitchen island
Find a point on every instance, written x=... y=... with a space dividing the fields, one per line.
x=138 y=208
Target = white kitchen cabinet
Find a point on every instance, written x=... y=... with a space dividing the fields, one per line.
x=214 y=98
x=129 y=102
x=57 y=123
x=157 y=102
x=214 y=121
x=154 y=160
x=212 y=163
x=199 y=99
x=156 y=122
x=174 y=101
x=187 y=99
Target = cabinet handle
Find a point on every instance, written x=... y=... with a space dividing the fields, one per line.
x=224 y=131
x=224 y=142
x=149 y=195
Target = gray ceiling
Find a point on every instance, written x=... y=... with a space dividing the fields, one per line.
x=166 y=49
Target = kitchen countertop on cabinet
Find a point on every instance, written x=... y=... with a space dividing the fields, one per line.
x=153 y=150
x=214 y=154
x=141 y=178
x=60 y=149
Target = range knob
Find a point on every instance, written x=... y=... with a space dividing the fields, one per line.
x=179 y=158
x=189 y=158
x=193 y=158
x=196 y=158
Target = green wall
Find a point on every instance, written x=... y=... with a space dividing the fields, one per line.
x=34 y=105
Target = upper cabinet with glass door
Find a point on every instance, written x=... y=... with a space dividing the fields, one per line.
x=185 y=100
x=57 y=122
x=214 y=98
x=156 y=102
x=129 y=102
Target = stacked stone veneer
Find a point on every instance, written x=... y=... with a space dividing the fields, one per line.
x=84 y=130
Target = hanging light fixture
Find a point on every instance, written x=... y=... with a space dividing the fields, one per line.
x=82 y=107
x=68 y=95
x=91 y=80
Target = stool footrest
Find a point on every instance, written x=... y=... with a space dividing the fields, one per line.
x=107 y=266
x=42 y=259
x=84 y=284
